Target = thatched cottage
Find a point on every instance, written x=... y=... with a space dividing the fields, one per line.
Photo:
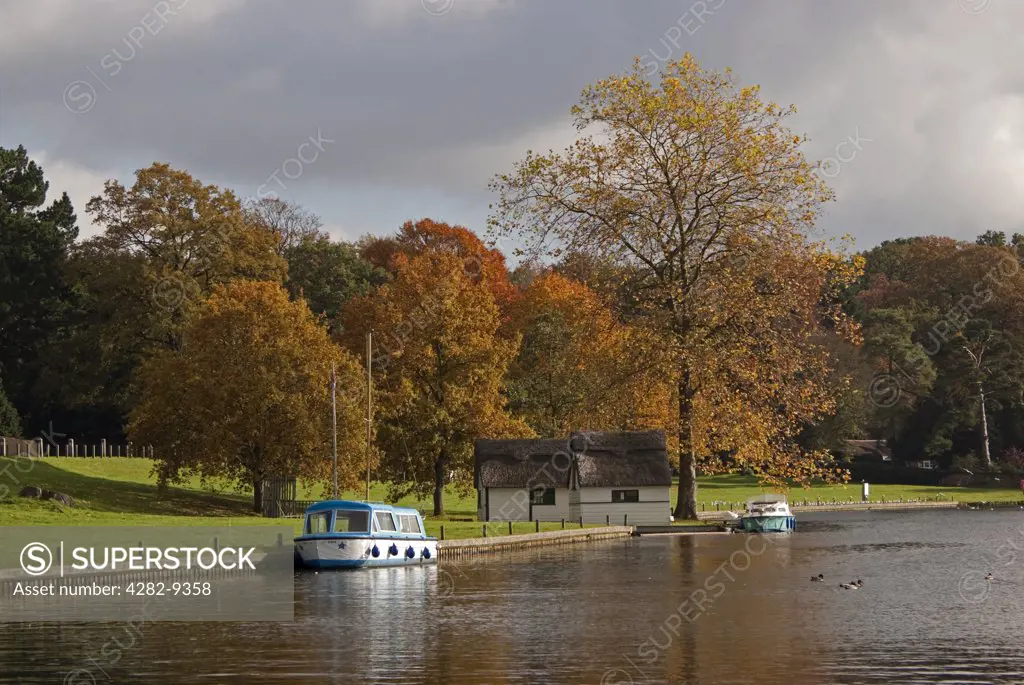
x=599 y=476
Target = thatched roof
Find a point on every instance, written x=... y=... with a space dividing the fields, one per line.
x=612 y=459
x=601 y=460
x=876 y=449
x=522 y=463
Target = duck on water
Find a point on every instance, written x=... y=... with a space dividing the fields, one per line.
x=344 y=534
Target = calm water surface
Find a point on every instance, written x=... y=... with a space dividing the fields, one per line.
x=625 y=612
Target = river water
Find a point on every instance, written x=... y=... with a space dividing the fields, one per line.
x=707 y=609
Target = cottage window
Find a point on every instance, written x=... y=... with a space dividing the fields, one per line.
x=619 y=496
x=317 y=523
x=542 y=497
x=348 y=521
x=384 y=521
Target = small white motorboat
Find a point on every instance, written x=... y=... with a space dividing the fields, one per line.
x=768 y=513
x=343 y=534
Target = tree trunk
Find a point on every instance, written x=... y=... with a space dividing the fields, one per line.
x=257 y=494
x=439 y=477
x=686 y=506
x=984 y=430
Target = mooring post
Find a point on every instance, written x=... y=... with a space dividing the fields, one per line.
x=581 y=521
x=442 y=532
x=608 y=519
x=563 y=524
x=509 y=527
x=485 y=530
x=625 y=519
x=537 y=526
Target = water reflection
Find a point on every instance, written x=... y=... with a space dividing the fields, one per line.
x=695 y=610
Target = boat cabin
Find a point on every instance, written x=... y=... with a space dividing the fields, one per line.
x=768 y=504
x=342 y=518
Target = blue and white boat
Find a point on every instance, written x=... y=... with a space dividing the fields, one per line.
x=343 y=534
x=767 y=513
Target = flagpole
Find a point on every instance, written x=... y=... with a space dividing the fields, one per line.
x=334 y=435
x=369 y=407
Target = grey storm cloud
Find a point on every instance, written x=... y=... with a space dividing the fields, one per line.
x=435 y=96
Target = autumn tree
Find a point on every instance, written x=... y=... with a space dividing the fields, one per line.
x=949 y=317
x=178 y=238
x=288 y=221
x=578 y=367
x=679 y=182
x=481 y=263
x=246 y=395
x=767 y=370
x=439 y=373
x=167 y=241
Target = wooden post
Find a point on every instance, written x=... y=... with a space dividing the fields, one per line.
x=485 y=530
x=563 y=524
x=442 y=531
x=581 y=521
x=625 y=519
x=103 y=447
x=607 y=519
x=537 y=525
x=509 y=527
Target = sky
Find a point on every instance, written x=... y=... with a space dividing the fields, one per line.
x=373 y=112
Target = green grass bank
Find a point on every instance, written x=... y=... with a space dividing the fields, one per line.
x=122 y=491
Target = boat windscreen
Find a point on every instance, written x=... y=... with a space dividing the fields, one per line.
x=317 y=523
x=409 y=523
x=349 y=521
x=767 y=498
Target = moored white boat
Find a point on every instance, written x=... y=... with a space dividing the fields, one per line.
x=768 y=513
x=343 y=534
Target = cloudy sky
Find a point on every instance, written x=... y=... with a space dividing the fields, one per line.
x=412 y=105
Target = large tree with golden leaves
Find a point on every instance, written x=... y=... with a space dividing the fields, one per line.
x=246 y=396
x=686 y=183
x=167 y=241
x=439 y=372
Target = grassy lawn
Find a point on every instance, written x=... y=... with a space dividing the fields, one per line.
x=736 y=489
x=122 y=491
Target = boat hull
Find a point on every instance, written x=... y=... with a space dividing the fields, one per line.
x=355 y=552
x=767 y=524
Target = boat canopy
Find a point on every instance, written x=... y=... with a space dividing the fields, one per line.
x=328 y=505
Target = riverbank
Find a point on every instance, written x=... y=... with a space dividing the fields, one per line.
x=122 y=491
x=723 y=515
